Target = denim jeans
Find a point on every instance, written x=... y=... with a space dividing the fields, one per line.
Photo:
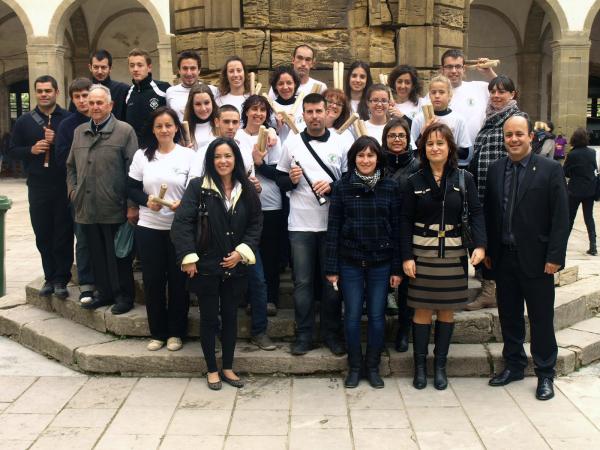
x=355 y=282
x=257 y=296
x=306 y=245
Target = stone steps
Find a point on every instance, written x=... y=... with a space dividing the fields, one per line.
x=93 y=352
x=573 y=304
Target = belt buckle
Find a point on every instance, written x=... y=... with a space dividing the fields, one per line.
x=442 y=234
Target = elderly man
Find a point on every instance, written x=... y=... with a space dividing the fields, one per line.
x=97 y=170
x=527 y=222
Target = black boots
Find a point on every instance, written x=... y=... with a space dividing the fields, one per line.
x=443 y=334
x=420 y=342
x=593 y=250
x=372 y=359
x=354 y=368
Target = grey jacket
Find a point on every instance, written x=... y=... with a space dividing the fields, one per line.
x=97 y=170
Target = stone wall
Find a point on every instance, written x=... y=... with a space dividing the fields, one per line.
x=264 y=32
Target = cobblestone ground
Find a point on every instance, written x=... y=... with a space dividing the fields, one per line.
x=45 y=405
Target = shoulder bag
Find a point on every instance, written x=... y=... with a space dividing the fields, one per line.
x=202 y=232
x=465 y=227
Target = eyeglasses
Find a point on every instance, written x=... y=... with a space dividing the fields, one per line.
x=332 y=103
x=398 y=136
x=454 y=66
x=380 y=101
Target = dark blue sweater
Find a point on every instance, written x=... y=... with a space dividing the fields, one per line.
x=64 y=137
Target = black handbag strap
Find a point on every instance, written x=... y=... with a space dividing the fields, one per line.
x=37 y=118
x=463 y=190
x=324 y=166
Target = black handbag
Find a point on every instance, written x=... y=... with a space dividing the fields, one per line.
x=202 y=231
x=465 y=227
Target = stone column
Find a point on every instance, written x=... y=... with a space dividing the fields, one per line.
x=47 y=59
x=529 y=83
x=5 y=111
x=164 y=60
x=570 y=70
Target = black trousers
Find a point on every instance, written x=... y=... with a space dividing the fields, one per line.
x=53 y=227
x=161 y=273
x=113 y=276
x=405 y=312
x=512 y=289
x=588 y=214
x=219 y=296
x=271 y=250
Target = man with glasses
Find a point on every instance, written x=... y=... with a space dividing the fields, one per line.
x=469 y=98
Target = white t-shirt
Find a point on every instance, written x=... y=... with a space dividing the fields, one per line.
x=270 y=196
x=455 y=122
x=354 y=105
x=305 y=212
x=409 y=109
x=375 y=131
x=197 y=168
x=305 y=88
x=173 y=169
x=177 y=97
x=285 y=131
x=470 y=100
x=230 y=99
x=203 y=135
x=347 y=137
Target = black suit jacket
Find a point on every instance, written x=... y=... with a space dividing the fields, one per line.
x=580 y=168
x=540 y=217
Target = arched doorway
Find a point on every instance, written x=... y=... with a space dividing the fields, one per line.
x=593 y=104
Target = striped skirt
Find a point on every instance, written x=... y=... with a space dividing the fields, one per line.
x=441 y=283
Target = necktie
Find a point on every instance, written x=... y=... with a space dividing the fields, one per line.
x=512 y=197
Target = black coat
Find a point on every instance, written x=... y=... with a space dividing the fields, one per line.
x=141 y=100
x=540 y=217
x=400 y=167
x=242 y=224
x=580 y=168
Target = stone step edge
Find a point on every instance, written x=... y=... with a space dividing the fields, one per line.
x=471 y=327
x=91 y=352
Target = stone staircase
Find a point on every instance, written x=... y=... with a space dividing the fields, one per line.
x=100 y=342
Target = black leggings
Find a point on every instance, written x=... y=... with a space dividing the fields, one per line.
x=209 y=289
x=588 y=214
x=271 y=250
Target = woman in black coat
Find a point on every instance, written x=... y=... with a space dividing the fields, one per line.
x=216 y=231
x=581 y=168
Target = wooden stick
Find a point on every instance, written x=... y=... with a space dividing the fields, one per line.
x=475 y=64
x=257 y=88
x=47 y=153
x=336 y=83
x=289 y=122
x=297 y=103
x=163 y=190
x=275 y=107
x=186 y=132
x=262 y=139
x=252 y=82
x=360 y=128
x=341 y=75
x=160 y=201
x=428 y=112
x=316 y=89
x=383 y=78
x=349 y=121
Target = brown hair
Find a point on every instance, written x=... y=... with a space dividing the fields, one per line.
x=339 y=97
x=446 y=133
x=224 y=87
x=579 y=138
x=189 y=114
x=140 y=52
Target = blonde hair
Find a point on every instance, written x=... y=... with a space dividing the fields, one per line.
x=541 y=126
x=441 y=79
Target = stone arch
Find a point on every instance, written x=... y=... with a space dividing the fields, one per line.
x=80 y=49
x=504 y=18
x=21 y=15
x=591 y=16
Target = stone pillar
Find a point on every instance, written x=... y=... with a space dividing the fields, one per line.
x=570 y=70
x=529 y=83
x=164 y=60
x=46 y=59
x=5 y=111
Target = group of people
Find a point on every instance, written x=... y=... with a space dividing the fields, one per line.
x=214 y=189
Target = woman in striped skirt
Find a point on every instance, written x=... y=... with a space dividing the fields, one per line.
x=433 y=255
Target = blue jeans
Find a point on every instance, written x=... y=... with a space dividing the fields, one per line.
x=85 y=275
x=306 y=245
x=355 y=282
x=257 y=296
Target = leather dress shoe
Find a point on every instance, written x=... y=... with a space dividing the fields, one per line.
x=505 y=377
x=47 y=289
x=60 y=290
x=336 y=346
x=96 y=303
x=300 y=347
x=545 y=389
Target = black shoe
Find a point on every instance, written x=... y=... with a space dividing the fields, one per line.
x=420 y=350
x=96 y=302
x=231 y=382
x=505 y=377
x=47 y=289
x=300 y=347
x=402 y=339
x=121 y=307
x=60 y=290
x=443 y=335
x=593 y=250
x=353 y=377
x=545 y=389
x=336 y=346
x=372 y=360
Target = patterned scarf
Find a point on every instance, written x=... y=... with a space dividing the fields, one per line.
x=369 y=180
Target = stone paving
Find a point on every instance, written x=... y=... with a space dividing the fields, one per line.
x=45 y=405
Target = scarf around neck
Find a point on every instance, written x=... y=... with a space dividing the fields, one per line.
x=490 y=110
x=369 y=180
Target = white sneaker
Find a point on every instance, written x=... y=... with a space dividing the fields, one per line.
x=174 y=344
x=154 y=345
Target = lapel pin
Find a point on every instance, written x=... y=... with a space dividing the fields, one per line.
x=534 y=168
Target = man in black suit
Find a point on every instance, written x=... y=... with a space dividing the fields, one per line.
x=527 y=222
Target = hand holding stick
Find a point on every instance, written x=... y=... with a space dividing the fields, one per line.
x=349 y=121
x=476 y=64
x=262 y=139
x=160 y=201
x=322 y=200
x=163 y=190
x=47 y=153
x=428 y=112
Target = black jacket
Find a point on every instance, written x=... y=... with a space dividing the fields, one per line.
x=141 y=100
x=363 y=227
x=25 y=135
x=400 y=167
x=64 y=136
x=540 y=217
x=580 y=168
x=118 y=93
x=424 y=202
x=227 y=229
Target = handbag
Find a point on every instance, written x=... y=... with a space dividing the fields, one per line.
x=597 y=189
x=465 y=227
x=124 y=240
x=202 y=232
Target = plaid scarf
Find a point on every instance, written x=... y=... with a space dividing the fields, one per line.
x=369 y=180
x=489 y=144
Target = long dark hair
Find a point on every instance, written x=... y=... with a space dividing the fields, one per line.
x=339 y=97
x=416 y=90
x=362 y=109
x=446 y=133
x=239 y=171
x=359 y=145
x=224 y=87
x=393 y=123
x=189 y=113
x=150 y=139
x=252 y=101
